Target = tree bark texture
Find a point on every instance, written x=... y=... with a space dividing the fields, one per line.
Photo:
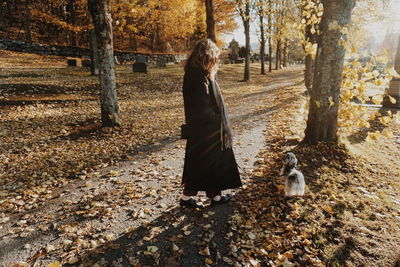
x=71 y=6
x=247 y=56
x=244 y=11
x=309 y=61
x=94 y=56
x=322 y=116
x=269 y=35
x=262 y=45
x=28 y=36
x=210 y=21
x=277 y=54
x=285 y=54
x=100 y=11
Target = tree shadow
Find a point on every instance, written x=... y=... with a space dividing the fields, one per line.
x=375 y=125
x=46 y=89
x=343 y=253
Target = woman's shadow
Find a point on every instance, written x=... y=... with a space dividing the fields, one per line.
x=179 y=237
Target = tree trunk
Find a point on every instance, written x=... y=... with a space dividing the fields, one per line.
x=285 y=54
x=210 y=21
x=71 y=8
x=28 y=36
x=94 y=53
x=245 y=15
x=100 y=11
x=309 y=61
x=269 y=34
x=262 y=45
x=247 y=56
x=134 y=44
x=324 y=102
x=277 y=54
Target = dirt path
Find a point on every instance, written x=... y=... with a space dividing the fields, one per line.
x=129 y=210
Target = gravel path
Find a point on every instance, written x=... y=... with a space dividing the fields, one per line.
x=128 y=212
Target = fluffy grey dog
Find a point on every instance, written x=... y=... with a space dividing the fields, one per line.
x=294 y=184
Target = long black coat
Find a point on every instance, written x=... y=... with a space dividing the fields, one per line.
x=206 y=167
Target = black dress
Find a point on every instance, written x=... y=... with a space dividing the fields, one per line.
x=206 y=166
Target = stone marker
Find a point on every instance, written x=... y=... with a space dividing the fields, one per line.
x=94 y=58
x=71 y=62
x=140 y=64
x=86 y=63
x=394 y=85
x=161 y=63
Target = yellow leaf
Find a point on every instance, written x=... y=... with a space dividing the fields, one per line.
x=373 y=136
x=368 y=76
x=331 y=102
x=385 y=120
x=313 y=31
x=378 y=82
x=152 y=249
x=392 y=72
x=397 y=118
x=318 y=103
x=328 y=209
x=392 y=100
x=113 y=173
x=388 y=133
x=208 y=261
x=372 y=116
x=377 y=99
x=342 y=42
x=54 y=264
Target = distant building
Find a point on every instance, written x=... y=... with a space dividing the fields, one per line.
x=234 y=49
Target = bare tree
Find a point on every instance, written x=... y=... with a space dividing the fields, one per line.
x=322 y=122
x=210 y=20
x=100 y=10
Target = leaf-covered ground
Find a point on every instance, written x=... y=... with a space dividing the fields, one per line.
x=67 y=198
x=350 y=215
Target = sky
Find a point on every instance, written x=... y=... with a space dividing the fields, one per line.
x=377 y=28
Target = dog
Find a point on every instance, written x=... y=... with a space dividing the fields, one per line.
x=294 y=183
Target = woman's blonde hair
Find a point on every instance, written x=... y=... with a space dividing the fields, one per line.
x=205 y=55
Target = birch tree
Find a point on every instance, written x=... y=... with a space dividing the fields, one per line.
x=100 y=11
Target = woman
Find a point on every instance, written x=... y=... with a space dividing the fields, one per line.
x=209 y=161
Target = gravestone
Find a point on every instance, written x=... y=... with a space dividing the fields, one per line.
x=394 y=85
x=86 y=63
x=94 y=58
x=140 y=64
x=161 y=62
x=71 y=62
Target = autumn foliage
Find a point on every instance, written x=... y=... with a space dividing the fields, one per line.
x=151 y=25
